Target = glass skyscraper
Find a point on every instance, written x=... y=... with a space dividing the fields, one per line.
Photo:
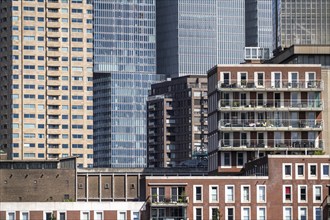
x=124 y=69
x=258 y=24
x=301 y=22
x=194 y=35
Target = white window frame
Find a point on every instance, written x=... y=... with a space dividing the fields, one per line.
x=210 y=211
x=82 y=213
x=61 y=211
x=239 y=78
x=287 y=207
x=256 y=79
x=246 y=207
x=285 y=177
x=244 y=159
x=24 y=212
x=198 y=201
x=9 y=212
x=258 y=195
x=258 y=211
x=284 y=193
x=223 y=78
x=314 y=212
x=309 y=171
x=290 y=77
x=299 y=211
x=314 y=191
x=198 y=207
x=273 y=79
x=97 y=212
x=242 y=194
x=210 y=193
x=223 y=160
x=307 y=79
x=226 y=211
x=300 y=177
x=299 y=193
x=325 y=177
x=226 y=193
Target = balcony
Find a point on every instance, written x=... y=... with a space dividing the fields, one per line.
x=270 y=105
x=271 y=125
x=275 y=85
x=272 y=144
x=174 y=200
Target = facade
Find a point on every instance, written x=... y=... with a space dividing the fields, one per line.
x=46 y=58
x=177 y=121
x=300 y=22
x=124 y=69
x=257 y=109
x=272 y=187
x=193 y=35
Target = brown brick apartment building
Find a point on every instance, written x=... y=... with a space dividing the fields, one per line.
x=258 y=109
x=177 y=121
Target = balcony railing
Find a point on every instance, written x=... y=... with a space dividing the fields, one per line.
x=271 y=124
x=270 y=143
x=284 y=103
x=271 y=84
x=174 y=199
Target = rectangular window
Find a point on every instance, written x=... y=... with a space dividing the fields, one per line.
x=198 y=193
x=230 y=193
x=226 y=161
x=245 y=194
x=317 y=213
x=287 y=213
x=214 y=194
x=287 y=193
x=300 y=171
x=287 y=171
x=25 y=215
x=214 y=213
x=325 y=171
x=302 y=213
x=158 y=194
x=245 y=213
x=230 y=213
x=11 y=215
x=198 y=213
x=317 y=191
x=312 y=171
x=98 y=216
x=261 y=193
x=302 y=193
x=261 y=213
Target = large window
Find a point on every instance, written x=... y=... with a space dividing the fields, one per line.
x=157 y=214
x=158 y=194
x=178 y=194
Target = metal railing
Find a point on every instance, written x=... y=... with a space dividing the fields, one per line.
x=271 y=123
x=271 y=143
x=271 y=84
x=173 y=199
x=272 y=103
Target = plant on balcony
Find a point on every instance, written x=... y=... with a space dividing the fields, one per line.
x=243 y=82
x=319 y=152
x=236 y=104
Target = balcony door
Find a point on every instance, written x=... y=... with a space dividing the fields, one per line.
x=261 y=139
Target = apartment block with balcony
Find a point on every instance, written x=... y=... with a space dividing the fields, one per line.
x=177 y=121
x=46 y=61
x=257 y=109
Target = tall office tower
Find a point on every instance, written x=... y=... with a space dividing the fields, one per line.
x=124 y=69
x=46 y=79
x=194 y=35
x=177 y=121
x=258 y=109
x=258 y=26
x=301 y=22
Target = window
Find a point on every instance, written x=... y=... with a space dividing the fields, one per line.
x=198 y=194
x=226 y=159
x=11 y=215
x=178 y=194
x=317 y=194
x=98 y=216
x=230 y=193
x=302 y=193
x=245 y=213
x=214 y=197
x=325 y=171
x=84 y=216
x=312 y=173
x=261 y=213
x=287 y=213
x=317 y=213
x=230 y=213
x=287 y=171
x=259 y=78
x=240 y=159
x=245 y=194
x=25 y=216
x=158 y=194
x=287 y=193
x=302 y=213
x=300 y=171
x=198 y=213
x=158 y=213
x=214 y=213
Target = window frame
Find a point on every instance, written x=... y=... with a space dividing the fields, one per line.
x=210 y=194
x=299 y=193
x=194 y=199
x=258 y=211
x=285 y=200
x=310 y=176
x=287 y=207
x=314 y=193
x=246 y=207
x=299 y=212
x=314 y=212
x=258 y=194
x=194 y=212
x=226 y=194
x=325 y=177
x=226 y=211
x=304 y=171
x=284 y=176
x=242 y=194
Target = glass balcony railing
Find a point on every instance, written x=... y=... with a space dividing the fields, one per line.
x=270 y=84
x=272 y=123
x=272 y=103
x=270 y=143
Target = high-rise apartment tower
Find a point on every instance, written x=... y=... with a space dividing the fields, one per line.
x=46 y=57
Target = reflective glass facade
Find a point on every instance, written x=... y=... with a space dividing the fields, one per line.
x=194 y=35
x=124 y=69
x=301 y=22
x=258 y=24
